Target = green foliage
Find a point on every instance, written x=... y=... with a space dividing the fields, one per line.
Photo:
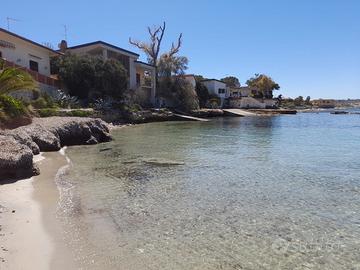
x=180 y=92
x=12 y=106
x=202 y=93
x=47 y=112
x=89 y=77
x=44 y=101
x=79 y=113
x=13 y=79
x=299 y=101
x=199 y=78
x=172 y=65
x=231 y=81
x=263 y=83
x=39 y=103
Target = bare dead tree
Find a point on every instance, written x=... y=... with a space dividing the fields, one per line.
x=152 y=48
x=175 y=49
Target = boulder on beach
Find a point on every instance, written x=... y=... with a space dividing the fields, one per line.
x=16 y=159
x=17 y=146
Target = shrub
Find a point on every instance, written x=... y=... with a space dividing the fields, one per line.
x=39 y=103
x=91 y=77
x=79 y=113
x=47 y=112
x=12 y=107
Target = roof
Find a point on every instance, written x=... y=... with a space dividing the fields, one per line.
x=206 y=80
x=28 y=40
x=143 y=63
x=99 y=42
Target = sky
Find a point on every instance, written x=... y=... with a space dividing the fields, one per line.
x=310 y=47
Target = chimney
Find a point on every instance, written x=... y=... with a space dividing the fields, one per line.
x=63 y=46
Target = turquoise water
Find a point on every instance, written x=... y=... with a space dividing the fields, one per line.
x=278 y=192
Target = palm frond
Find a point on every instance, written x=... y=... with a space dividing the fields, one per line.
x=13 y=79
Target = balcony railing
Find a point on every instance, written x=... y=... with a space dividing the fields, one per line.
x=36 y=75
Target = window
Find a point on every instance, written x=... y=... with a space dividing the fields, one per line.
x=34 y=65
x=221 y=91
x=0 y=54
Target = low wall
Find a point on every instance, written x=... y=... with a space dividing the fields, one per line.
x=251 y=103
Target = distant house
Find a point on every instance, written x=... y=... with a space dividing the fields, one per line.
x=30 y=56
x=324 y=103
x=141 y=75
x=217 y=88
x=250 y=97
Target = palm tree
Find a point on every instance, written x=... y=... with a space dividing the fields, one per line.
x=12 y=79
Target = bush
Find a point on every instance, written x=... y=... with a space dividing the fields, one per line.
x=89 y=77
x=47 y=112
x=39 y=103
x=79 y=113
x=12 y=107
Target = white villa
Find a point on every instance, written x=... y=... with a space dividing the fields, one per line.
x=141 y=75
x=217 y=88
x=247 y=97
x=33 y=57
x=239 y=97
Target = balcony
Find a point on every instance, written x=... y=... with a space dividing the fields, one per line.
x=36 y=75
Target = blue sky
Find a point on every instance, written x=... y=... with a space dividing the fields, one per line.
x=309 y=47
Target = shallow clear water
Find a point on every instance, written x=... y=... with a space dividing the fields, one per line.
x=277 y=192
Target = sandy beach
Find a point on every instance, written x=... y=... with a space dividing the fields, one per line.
x=30 y=234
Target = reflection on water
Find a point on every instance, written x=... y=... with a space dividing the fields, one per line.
x=233 y=193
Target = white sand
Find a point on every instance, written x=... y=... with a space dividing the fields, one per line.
x=31 y=237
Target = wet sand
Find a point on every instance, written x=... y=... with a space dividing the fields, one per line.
x=31 y=236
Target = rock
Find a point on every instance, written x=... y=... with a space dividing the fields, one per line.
x=18 y=146
x=16 y=159
x=92 y=140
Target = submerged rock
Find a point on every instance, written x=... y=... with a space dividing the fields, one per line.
x=162 y=162
x=18 y=146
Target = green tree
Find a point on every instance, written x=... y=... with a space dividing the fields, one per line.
x=299 y=101
x=172 y=65
x=89 y=77
x=231 y=81
x=263 y=83
x=13 y=79
x=202 y=93
x=308 y=100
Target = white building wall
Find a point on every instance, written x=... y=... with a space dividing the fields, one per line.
x=213 y=87
x=24 y=52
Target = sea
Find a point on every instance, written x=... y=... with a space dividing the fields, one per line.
x=269 y=192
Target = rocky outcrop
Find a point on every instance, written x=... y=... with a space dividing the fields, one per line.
x=18 y=146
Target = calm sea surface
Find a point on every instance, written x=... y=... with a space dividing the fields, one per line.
x=277 y=192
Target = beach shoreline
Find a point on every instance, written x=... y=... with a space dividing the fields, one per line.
x=31 y=236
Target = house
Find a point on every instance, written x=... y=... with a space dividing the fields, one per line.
x=250 y=97
x=217 y=88
x=324 y=103
x=141 y=75
x=18 y=51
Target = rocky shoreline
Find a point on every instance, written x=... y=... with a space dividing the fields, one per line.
x=18 y=146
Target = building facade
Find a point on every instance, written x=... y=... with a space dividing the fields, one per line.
x=217 y=88
x=141 y=76
x=30 y=56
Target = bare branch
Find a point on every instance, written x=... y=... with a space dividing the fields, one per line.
x=159 y=39
x=175 y=49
